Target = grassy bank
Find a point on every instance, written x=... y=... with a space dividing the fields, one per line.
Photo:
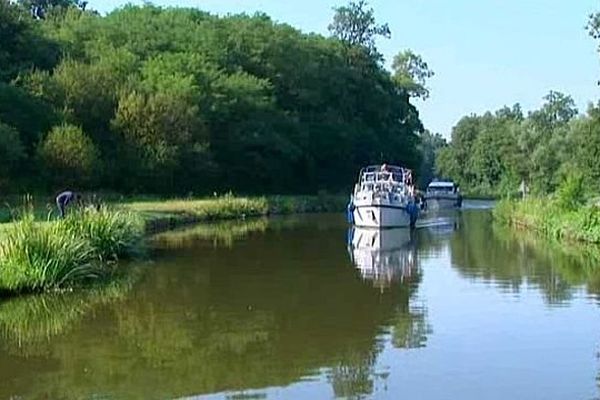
x=551 y=218
x=44 y=255
x=166 y=214
x=38 y=254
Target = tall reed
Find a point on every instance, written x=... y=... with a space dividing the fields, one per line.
x=37 y=256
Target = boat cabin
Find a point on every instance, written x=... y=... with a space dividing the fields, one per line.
x=385 y=174
x=442 y=187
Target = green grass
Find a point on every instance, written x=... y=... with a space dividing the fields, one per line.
x=39 y=256
x=166 y=214
x=547 y=217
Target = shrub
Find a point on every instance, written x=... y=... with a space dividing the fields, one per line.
x=36 y=256
x=55 y=254
x=112 y=234
x=70 y=156
x=571 y=192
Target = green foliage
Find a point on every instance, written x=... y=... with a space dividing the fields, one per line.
x=430 y=147
x=178 y=100
x=411 y=74
x=36 y=256
x=11 y=153
x=571 y=193
x=69 y=156
x=27 y=113
x=496 y=152
x=355 y=25
x=112 y=234
x=551 y=218
x=22 y=47
x=55 y=254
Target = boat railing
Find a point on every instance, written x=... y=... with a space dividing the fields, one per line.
x=373 y=177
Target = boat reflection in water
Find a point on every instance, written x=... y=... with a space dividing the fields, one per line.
x=383 y=256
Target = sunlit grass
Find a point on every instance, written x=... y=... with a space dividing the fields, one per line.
x=49 y=255
x=160 y=215
x=225 y=207
x=545 y=216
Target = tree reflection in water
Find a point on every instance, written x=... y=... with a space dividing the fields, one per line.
x=513 y=260
x=232 y=316
x=266 y=305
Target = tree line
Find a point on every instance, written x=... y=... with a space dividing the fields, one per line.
x=498 y=152
x=176 y=100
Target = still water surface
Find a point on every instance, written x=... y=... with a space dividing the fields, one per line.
x=303 y=308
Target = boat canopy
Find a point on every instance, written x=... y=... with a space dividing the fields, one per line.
x=441 y=185
x=388 y=168
x=385 y=177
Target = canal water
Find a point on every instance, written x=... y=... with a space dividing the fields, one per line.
x=304 y=308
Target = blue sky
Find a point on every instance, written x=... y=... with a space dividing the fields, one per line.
x=485 y=53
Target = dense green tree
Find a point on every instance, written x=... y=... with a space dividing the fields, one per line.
x=585 y=144
x=484 y=155
x=11 y=153
x=22 y=47
x=411 y=74
x=355 y=25
x=178 y=100
x=30 y=115
x=495 y=153
x=69 y=155
x=430 y=146
x=41 y=8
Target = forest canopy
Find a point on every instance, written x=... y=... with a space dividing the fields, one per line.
x=497 y=152
x=176 y=100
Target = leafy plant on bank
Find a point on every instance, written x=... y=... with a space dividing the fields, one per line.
x=50 y=255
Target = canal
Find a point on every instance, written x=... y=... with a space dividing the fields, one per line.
x=303 y=308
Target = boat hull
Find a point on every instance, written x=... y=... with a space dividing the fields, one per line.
x=378 y=216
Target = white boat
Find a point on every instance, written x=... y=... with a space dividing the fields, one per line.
x=383 y=197
x=443 y=195
x=383 y=256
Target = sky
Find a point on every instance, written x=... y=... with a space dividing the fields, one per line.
x=485 y=53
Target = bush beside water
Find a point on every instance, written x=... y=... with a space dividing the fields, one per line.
x=36 y=256
x=566 y=215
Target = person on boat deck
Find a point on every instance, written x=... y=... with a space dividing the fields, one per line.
x=408 y=178
x=64 y=199
x=384 y=168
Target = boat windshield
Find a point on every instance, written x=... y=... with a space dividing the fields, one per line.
x=381 y=187
x=447 y=188
x=382 y=176
x=397 y=189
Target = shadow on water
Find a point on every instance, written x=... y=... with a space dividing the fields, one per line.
x=239 y=307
